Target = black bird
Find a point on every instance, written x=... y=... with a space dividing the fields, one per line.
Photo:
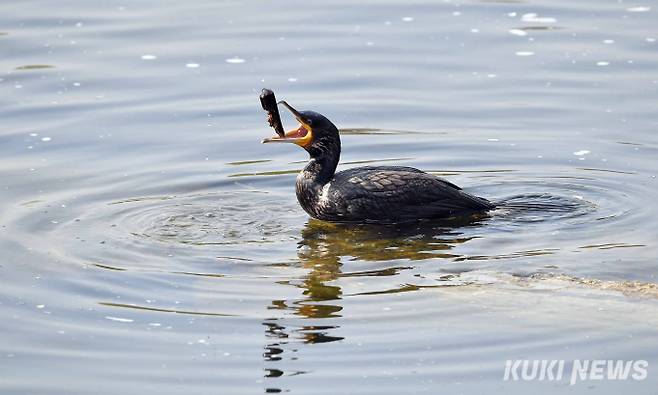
x=370 y=194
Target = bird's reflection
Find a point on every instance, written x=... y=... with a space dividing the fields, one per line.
x=322 y=248
x=326 y=243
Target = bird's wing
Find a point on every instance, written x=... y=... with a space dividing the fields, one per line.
x=395 y=173
x=398 y=193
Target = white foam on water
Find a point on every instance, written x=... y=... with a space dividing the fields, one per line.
x=639 y=9
x=235 y=60
x=533 y=17
x=118 y=319
x=518 y=32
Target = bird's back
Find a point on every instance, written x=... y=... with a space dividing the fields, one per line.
x=392 y=194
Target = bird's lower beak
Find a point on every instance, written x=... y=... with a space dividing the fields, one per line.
x=296 y=136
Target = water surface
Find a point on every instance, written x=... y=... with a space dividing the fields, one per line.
x=150 y=243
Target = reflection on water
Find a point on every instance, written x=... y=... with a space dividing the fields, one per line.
x=132 y=306
x=374 y=131
x=35 y=67
x=328 y=243
x=539 y=28
x=321 y=251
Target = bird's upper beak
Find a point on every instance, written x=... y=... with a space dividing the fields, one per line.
x=301 y=136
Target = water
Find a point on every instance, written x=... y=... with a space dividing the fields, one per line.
x=149 y=243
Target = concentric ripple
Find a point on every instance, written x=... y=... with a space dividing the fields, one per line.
x=245 y=258
x=248 y=252
x=211 y=219
x=243 y=226
x=194 y=230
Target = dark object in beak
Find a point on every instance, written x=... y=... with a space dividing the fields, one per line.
x=302 y=136
x=268 y=101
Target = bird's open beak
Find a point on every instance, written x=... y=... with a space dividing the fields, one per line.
x=301 y=136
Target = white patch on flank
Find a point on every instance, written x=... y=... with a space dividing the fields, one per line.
x=324 y=195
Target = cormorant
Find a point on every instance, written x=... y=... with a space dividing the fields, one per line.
x=370 y=194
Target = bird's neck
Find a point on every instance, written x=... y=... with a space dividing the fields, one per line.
x=320 y=170
x=311 y=181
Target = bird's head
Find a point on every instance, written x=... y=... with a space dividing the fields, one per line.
x=316 y=134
